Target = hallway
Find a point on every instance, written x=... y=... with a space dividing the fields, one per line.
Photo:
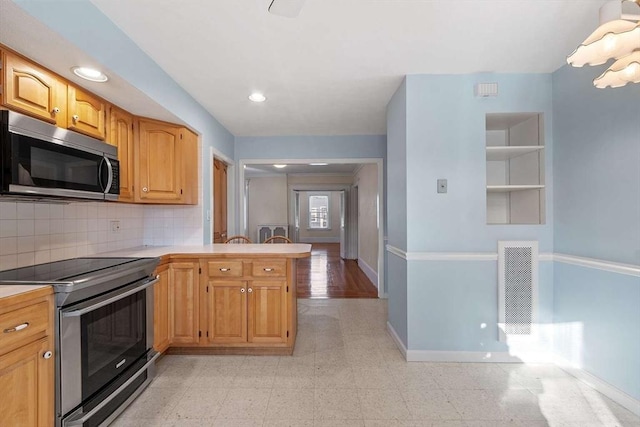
x=326 y=275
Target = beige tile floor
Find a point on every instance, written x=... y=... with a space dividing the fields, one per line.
x=346 y=371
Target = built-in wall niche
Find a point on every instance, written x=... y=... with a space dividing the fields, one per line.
x=515 y=168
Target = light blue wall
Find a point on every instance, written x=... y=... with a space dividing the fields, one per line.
x=597 y=167
x=81 y=23
x=597 y=317
x=597 y=215
x=397 y=167
x=310 y=147
x=398 y=298
x=396 y=183
x=446 y=139
x=453 y=305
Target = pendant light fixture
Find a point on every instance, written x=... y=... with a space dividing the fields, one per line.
x=618 y=37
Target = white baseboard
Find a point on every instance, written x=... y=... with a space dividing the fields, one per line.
x=612 y=392
x=368 y=271
x=474 y=357
x=319 y=239
x=397 y=340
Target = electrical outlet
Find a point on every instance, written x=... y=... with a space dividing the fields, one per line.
x=115 y=226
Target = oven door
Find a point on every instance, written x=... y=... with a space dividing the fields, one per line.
x=46 y=168
x=101 y=338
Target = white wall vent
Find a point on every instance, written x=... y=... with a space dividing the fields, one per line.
x=486 y=89
x=269 y=230
x=517 y=288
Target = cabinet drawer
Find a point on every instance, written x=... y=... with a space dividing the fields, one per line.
x=269 y=268
x=224 y=268
x=21 y=326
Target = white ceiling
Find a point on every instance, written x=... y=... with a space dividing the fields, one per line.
x=330 y=71
x=255 y=170
x=30 y=37
x=333 y=69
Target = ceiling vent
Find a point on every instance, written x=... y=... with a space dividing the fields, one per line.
x=486 y=89
x=286 y=8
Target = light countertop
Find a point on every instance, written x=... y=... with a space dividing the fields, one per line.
x=295 y=250
x=10 y=290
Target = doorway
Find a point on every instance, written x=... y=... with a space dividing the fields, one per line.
x=359 y=183
x=220 y=180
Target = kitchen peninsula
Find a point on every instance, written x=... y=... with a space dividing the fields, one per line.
x=224 y=299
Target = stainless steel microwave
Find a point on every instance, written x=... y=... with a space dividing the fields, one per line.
x=41 y=161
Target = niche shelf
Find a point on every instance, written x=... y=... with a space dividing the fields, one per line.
x=515 y=168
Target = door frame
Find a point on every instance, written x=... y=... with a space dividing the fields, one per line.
x=381 y=197
x=231 y=193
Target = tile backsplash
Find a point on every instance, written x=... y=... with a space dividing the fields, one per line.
x=173 y=225
x=34 y=233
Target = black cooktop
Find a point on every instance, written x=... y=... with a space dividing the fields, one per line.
x=61 y=271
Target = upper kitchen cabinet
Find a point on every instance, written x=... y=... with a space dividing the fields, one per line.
x=121 y=135
x=86 y=113
x=32 y=90
x=164 y=164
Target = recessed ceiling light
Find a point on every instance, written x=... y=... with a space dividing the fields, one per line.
x=90 y=74
x=279 y=166
x=318 y=164
x=257 y=97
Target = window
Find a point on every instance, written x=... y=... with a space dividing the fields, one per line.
x=319 y=211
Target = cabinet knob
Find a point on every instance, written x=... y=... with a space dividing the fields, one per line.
x=47 y=355
x=242 y=290
x=224 y=269
x=268 y=269
x=145 y=189
x=55 y=110
x=75 y=117
x=17 y=328
x=249 y=290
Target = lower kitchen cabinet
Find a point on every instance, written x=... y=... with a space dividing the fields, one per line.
x=267 y=312
x=220 y=305
x=27 y=359
x=184 y=309
x=161 y=339
x=241 y=312
x=226 y=312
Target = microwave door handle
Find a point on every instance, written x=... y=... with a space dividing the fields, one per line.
x=85 y=310
x=109 y=173
x=102 y=187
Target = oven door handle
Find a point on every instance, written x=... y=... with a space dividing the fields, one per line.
x=85 y=417
x=80 y=312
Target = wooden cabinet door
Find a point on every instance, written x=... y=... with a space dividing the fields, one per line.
x=183 y=303
x=227 y=312
x=32 y=90
x=121 y=135
x=158 y=159
x=27 y=378
x=161 y=310
x=267 y=311
x=86 y=113
x=219 y=201
x=189 y=143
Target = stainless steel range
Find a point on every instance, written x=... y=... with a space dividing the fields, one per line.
x=104 y=333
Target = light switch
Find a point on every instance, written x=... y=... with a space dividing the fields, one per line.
x=442 y=186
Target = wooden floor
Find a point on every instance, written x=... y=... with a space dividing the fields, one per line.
x=326 y=275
